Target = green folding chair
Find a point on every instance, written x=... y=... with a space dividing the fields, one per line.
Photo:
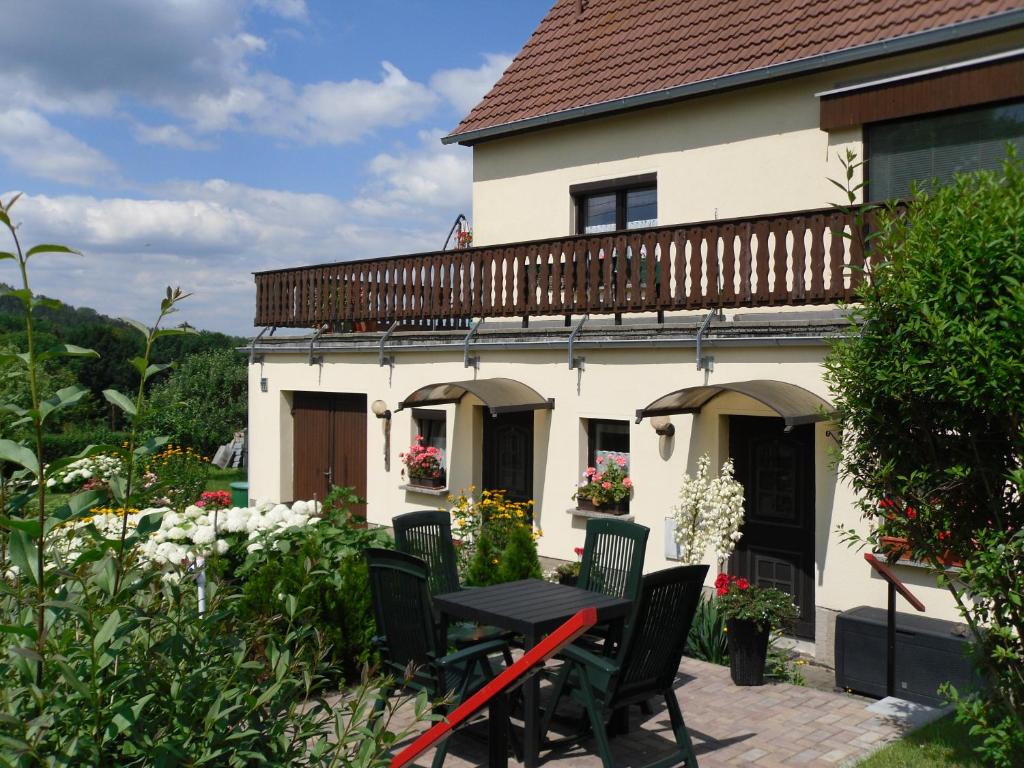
x=643 y=667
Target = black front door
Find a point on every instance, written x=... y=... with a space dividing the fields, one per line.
x=508 y=454
x=776 y=469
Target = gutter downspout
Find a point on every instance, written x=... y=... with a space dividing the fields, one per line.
x=577 y=362
x=383 y=359
x=474 y=361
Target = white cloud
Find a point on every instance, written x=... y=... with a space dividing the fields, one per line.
x=32 y=145
x=465 y=87
x=431 y=177
x=211 y=235
x=168 y=136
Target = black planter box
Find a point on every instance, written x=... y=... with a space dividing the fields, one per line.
x=615 y=508
x=429 y=482
x=748 y=651
x=929 y=652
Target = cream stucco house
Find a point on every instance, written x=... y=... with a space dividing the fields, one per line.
x=651 y=216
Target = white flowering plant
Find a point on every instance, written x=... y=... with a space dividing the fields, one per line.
x=182 y=538
x=709 y=513
x=88 y=473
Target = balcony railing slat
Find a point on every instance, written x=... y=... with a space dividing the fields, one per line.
x=807 y=257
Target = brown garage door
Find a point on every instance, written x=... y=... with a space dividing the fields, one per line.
x=329 y=432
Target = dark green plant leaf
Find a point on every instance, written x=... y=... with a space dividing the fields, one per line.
x=50 y=248
x=120 y=400
x=20 y=455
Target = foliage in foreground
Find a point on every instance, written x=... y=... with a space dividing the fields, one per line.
x=105 y=662
x=930 y=391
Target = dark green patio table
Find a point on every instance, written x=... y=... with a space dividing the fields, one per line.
x=531 y=608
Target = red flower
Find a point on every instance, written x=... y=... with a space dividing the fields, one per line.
x=578 y=551
x=722 y=581
x=911 y=513
x=742 y=583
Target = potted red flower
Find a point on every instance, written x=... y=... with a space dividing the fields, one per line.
x=607 y=486
x=424 y=464
x=569 y=573
x=750 y=613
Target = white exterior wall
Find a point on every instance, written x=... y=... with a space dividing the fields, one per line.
x=747 y=152
x=614 y=384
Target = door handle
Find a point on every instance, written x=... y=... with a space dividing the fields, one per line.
x=329 y=474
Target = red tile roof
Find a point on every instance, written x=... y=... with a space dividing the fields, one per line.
x=618 y=49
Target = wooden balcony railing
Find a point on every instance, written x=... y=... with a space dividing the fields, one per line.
x=786 y=259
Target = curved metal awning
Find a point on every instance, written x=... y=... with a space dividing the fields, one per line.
x=499 y=395
x=794 y=404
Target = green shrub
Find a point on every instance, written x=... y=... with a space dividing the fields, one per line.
x=930 y=390
x=519 y=560
x=322 y=567
x=203 y=402
x=175 y=477
x=76 y=438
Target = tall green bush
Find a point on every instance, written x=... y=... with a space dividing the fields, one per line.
x=930 y=390
x=321 y=567
x=203 y=402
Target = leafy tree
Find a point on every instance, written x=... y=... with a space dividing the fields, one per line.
x=203 y=402
x=930 y=390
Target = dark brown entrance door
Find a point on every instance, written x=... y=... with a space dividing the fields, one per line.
x=329 y=434
x=508 y=454
x=776 y=469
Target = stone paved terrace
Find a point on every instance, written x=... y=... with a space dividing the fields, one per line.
x=770 y=726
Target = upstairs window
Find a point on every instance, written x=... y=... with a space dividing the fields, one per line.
x=629 y=203
x=920 y=149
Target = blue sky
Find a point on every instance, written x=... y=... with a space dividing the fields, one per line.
x=193 y=142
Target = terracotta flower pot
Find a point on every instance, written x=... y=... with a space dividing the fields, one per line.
x=900 y=547
x=748 y=651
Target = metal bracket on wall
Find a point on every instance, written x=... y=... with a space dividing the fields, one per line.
x=474 y=361
x=253 y=357
x=706 y=363
x=382 y=359
x=577 y=363
x=316 y=359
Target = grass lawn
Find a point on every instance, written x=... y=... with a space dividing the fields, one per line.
x=942 y=744
x=221 y=479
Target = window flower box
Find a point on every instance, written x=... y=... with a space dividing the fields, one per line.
x=608 y=508
x=438 y=480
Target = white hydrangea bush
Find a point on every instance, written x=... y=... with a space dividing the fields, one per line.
x=100 y=468
x=195 y=533
x=709 y=513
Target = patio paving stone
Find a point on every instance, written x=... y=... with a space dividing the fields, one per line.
x=766 y=727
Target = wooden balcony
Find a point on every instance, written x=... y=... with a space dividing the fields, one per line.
x=790 y=259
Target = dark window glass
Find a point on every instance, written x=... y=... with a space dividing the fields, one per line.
x=431 y=426
x=641 y=208
x=599 y=213
x=617 y=208
x=935 y=147
x=607 y=438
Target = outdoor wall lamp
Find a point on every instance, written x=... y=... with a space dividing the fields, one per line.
x=663 y=426
x=381 y=411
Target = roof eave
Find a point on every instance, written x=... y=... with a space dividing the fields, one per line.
x=953 y=32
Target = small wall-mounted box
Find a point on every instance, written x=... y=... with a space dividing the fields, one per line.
x=671 y=546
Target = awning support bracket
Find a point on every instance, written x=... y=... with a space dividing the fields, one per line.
x=706 y=363
x=467 y=360
x=577 y=363
x=253 y=357
x=382 y=359
x=316 y=359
